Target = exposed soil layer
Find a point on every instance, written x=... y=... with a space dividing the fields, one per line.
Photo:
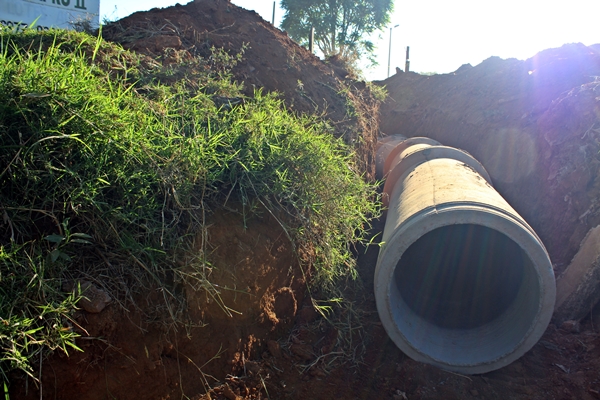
x=255 y=334
x=255 y=287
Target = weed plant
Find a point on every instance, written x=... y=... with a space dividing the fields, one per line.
x=108 y=166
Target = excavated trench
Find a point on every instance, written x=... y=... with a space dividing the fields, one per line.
x=533 y=124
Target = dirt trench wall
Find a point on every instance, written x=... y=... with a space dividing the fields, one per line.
x=534 y=125
x=256 y=287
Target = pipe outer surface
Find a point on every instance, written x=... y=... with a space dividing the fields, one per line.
x=462 y=282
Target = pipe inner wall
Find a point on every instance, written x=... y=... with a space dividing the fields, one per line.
x=461 y=276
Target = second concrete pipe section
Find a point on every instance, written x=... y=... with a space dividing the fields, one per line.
x=462 y=281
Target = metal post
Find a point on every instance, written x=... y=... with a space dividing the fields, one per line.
x=311 y=39
x=407 y=64
x=273 y=19
x=390 y=52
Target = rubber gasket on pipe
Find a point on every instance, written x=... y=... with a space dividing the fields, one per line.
x=462 y=281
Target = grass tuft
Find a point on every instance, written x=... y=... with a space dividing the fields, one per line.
x=108 y=164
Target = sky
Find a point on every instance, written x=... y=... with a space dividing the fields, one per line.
x=445 y=34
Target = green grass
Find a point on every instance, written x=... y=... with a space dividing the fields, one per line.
x=108 y=163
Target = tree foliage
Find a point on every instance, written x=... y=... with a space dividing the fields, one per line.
x=341 y=26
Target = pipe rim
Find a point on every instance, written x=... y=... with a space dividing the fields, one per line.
x=465 y=213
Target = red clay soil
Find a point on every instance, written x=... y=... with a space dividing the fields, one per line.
x=533 y=124
x=257 y=285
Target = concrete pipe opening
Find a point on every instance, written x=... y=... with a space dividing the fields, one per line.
x=462 y=281
x=471 y=296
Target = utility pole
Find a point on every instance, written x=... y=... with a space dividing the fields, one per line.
x=273 y=19
x=407 y=64
x=311 y=39
x=390 y=52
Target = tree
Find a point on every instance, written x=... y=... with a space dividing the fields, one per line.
x=341 y=27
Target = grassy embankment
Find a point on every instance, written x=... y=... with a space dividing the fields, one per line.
x=108 y=166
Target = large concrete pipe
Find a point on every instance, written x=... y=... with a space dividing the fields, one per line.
x=462 y=282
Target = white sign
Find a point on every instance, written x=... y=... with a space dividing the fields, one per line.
x=49 y=13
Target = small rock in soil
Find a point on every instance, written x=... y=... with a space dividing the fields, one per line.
x=571 y=326
x=227 y=392
x=306 y=315
x=94 y=300
x=274 y=348
x=400 y=395
x=303 y=351
x=252 y=367
x=317 y=372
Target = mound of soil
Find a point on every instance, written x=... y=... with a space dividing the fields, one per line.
x=254 y=333
x=272 y=62
x=533 y=124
